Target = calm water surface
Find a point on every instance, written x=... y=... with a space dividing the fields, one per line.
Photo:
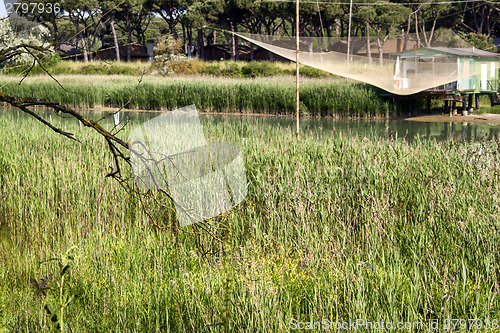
x=372 y=129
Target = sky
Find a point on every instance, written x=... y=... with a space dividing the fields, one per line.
x=3 y=11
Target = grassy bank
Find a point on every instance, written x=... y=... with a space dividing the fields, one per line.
x=320 y=97
x=183 y=66
x=334 y=227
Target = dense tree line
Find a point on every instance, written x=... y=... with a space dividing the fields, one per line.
x=90 y=23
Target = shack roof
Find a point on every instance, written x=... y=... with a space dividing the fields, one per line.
x=447 y=52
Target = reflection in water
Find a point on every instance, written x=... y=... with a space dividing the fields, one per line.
x=372 y=129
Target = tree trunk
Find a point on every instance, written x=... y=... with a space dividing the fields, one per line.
x=56 y=34
x=190 y=41
x=405 y=45
x=200 y=44
x=140 y=36
x=380 y=45
x=380 y=50
x=82 y=39
x=476 y=23
x=84 y=47
x=91 y=50
x=338 y=26
x=268 y=28
x=228 y=41
x=129 y=39
x=236 y=49
x=185 y=39
x=491 y=28
x=432 y=31
x=481 y=22
x=419 y=44
x=115 y=38
x=329 y=35
x=424 y=34
x=233 y=42
x=489 y=25
x=171 y=25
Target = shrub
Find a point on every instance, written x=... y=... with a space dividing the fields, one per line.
x=231 y=70
x=259 y=69
x=104 y=69
x=480 y=41
x=185 y=66
x=169 y=47
x=312 y=72
x=210 y=68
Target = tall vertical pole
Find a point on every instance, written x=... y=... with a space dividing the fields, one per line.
x=349 y=37
x=297 y=60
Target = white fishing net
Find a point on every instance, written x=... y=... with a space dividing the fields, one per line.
x=401 y=66
x=170 y=153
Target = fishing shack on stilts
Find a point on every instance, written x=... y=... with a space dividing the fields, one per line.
x=476 y=71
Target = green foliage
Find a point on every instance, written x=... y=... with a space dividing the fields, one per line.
x=19 y=32
x=383 y=15
x=309 y=71
x=211 y=68
x=55 y=288
x=171 y=64
x=167 y=48
x=259 y=69
x=168 y=65
x=185 y=66
x=480 y=41
x=55 y=66
x=231 y=70
x=235 y=69
x=105 y=69
x=447 y=37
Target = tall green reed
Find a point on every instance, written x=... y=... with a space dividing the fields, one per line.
x=320 y=97
x=334 y=227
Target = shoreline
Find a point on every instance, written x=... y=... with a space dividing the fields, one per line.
x=222 y=113
x=485 y=118
x=245 y=114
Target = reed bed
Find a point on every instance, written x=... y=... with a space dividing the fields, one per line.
x=320 y=97
x=334 y=227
